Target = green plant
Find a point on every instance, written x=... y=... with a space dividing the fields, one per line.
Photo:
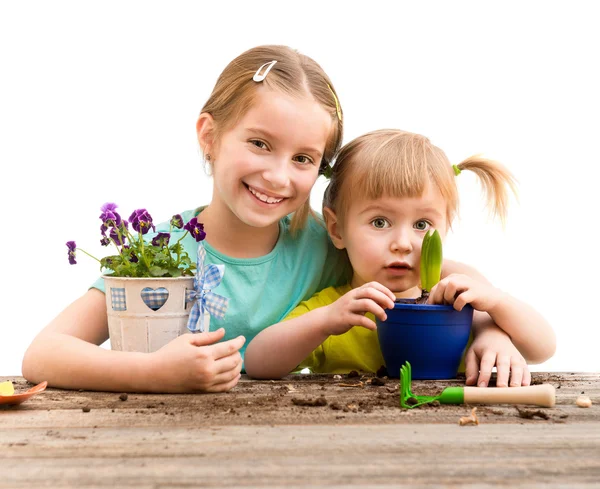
x=431 y=261
x=136 y=256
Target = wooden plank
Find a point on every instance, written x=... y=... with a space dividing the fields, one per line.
x=303 y=456
x=258 y=436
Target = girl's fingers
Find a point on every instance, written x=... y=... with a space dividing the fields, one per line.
x=526 y=376
x=471 y=367
x=208 y=338
x=382 y=288
x=516 y=374
x=227 y=348
x=450 y=293
x=225 y=376
x=488 y=360
x=225 y=386
x=503 y=365
x=231 y=363
x=437 y=293
x=377 y=292
x=365 y=322
x=368 y=305
x=463 y=299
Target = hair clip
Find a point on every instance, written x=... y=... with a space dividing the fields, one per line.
x=456 y=169
x=259 y=78
x=337 y=104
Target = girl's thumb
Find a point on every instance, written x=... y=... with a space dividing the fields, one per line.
x=208 y=338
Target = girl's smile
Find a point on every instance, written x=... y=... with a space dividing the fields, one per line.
x=265 y=197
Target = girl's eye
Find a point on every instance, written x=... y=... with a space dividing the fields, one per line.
x=380 y=223
x=258 y=143
x=422 y=225
x=304 y=160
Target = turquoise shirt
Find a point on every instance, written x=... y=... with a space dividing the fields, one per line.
x=262 y=291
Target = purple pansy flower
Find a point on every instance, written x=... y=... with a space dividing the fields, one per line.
x=161 y=239
x=132 y=258
x=196 y=229
x=71 y=245
x=177 y=221
x=105 y=241
x=114 y=235
x=109 y=215
x=141 y=221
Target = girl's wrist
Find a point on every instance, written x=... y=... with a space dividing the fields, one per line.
x=147 y=373
x=499 y=303
x=322 y=321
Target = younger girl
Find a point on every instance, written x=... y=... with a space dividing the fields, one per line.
x=272 y=123
x=387 y=190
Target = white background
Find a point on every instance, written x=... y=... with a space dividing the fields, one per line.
x=98 y=102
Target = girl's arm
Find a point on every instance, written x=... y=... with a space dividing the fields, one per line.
x=528 y=330
x=67 y=355
x=279 y=349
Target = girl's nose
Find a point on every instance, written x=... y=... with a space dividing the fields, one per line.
x=401 y=242
x=276 y=175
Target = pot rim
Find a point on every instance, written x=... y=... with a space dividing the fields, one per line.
x=426 y=307
x=105 y=276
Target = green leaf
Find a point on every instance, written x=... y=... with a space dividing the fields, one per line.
x=431 y=260
x=434 y=260
x=157 y=271
x=121 y=270
x=176 y=248
x=175 y=272
x=423 y=264
x=160 y=257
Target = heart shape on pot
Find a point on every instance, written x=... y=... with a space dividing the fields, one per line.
x=155 y=298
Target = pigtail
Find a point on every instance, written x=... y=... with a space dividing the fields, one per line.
x=300 y=217
x=496 y=180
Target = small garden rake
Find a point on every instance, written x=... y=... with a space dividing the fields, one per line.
x=539 y=395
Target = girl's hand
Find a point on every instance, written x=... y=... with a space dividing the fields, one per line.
x=195 y=362
x=350 y=309
x=459 y=290
x=494 y=347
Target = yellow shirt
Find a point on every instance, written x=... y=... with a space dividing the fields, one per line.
x=358 y=349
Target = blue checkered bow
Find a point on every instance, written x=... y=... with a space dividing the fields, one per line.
x=207 y=278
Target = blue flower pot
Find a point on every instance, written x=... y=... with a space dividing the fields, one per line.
x=431 y=337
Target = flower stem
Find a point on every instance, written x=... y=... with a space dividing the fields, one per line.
x=91 y=256
x=141 y=241
x=179 y=241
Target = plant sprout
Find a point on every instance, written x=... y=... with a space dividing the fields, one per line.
x=431 y=261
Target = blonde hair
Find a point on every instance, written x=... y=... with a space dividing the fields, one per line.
x=294 y=74
x=397 y=163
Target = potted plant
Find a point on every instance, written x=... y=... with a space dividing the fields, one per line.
x=431 y=337
x=154 y=290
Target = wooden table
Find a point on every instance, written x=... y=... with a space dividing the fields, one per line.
x=304 y=431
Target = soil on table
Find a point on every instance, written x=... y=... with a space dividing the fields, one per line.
x=308 y=399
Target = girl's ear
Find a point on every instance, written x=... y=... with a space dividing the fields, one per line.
x=333 y=228
x=205 y=129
